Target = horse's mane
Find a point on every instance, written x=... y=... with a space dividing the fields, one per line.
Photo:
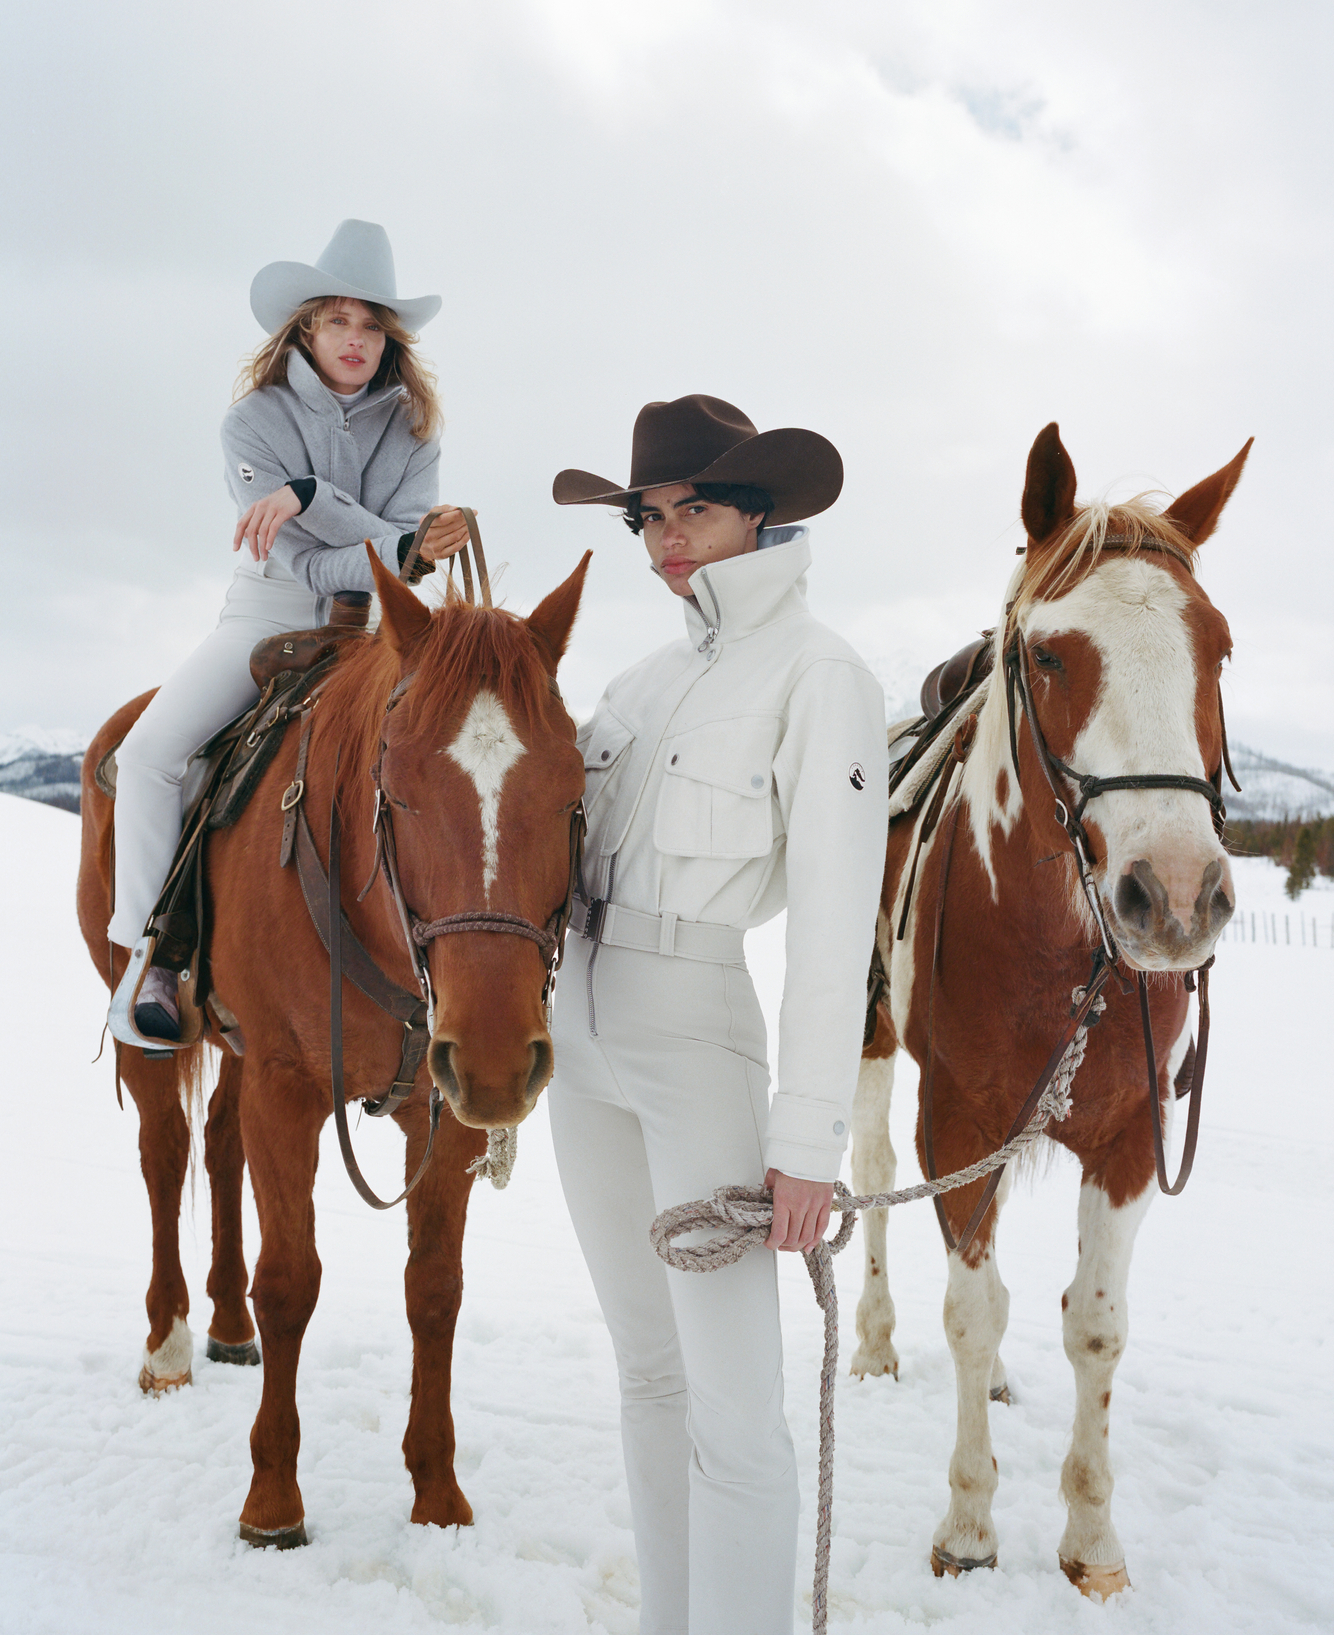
x=1059 y=563
x=463 y=648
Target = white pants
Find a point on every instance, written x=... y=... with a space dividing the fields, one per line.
x=666 y=1103
x=211 y=687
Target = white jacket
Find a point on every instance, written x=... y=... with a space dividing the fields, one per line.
x=742 y=771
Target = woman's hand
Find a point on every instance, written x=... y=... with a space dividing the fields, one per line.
x=447 y=534
x=259 y=526
x=801 y=1211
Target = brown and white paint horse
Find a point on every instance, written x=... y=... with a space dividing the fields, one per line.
x=480 y=768
x=1124 y=651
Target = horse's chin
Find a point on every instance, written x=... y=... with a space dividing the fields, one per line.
x=1164 y=952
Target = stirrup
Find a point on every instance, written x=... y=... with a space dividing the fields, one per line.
x=120 y=1017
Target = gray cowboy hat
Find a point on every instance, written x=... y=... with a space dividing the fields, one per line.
x=357 y=262
x=700 y=439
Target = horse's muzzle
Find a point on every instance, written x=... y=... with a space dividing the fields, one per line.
x=1156 y=929
x=487 y=1089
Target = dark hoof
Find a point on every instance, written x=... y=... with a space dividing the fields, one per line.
x=1001 y=1393
x=246 y=1355
x=943 y=1562
x=274 y=1538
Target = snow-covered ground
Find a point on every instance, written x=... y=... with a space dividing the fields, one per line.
x=118 y=1513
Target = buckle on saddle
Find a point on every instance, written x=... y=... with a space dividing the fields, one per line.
x=292 y=794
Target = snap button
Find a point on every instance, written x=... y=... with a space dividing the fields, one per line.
x=839 y=1127
x=606 y=755
x=757 y=782
x=673 y=760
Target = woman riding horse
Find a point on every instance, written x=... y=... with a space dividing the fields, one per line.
x=730 y=775
x=332 y=442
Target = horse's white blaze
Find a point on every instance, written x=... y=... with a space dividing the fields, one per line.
x=486 y=748
x=1095 y=1327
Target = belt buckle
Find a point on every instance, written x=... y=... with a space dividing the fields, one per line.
x=593 y=919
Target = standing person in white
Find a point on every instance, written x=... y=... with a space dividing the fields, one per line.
x=729 y=775
x=332 y=442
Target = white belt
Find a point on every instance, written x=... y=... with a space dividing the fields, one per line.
x=619 y=927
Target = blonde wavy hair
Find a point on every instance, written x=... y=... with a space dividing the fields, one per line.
x=399 y=366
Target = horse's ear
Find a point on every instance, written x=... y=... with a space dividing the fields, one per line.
x=1196 y=512
x=402 y=617
x=1049 y=486
x=553 y=618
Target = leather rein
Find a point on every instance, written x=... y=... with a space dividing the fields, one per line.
x=1085 y=1010
x=347 y=955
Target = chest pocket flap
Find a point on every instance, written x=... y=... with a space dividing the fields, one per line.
x=717 y=790
x=603 y=741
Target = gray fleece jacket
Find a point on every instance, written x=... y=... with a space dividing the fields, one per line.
x=374 y=479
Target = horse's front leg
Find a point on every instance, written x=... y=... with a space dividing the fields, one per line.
x=231 y=1334
x=874 y=1167
x=164 y=1154
x=977 y=1307
x=1095 y=1327
x=281 y=1116
x=437 y=1212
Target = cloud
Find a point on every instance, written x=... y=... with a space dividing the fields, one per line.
x=925 y=230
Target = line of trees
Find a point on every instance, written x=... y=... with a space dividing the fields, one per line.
x=1305 y=849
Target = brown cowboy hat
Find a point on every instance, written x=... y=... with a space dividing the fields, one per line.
x=700 y=439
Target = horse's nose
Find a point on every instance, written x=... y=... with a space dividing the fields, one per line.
x=1145 y=909
x=486 y=1087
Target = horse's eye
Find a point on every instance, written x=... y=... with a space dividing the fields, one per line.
x=1046 y=660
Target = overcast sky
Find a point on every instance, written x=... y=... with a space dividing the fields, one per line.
x=923 y=229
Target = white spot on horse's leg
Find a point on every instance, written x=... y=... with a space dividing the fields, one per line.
x=977 y=1307
x=170 y=1365
x=1095 y=1327
x=486 y=748
x=874 y=1166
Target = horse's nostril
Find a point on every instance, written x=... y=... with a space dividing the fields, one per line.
x=439 y=1060
x=1134 y=905
x=541 y=1069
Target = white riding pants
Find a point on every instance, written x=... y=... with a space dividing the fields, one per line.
x=668 y=1101
x=211 y=687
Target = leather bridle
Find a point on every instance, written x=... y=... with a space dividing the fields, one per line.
x=1069 y=813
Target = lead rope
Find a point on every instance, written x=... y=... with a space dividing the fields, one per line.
x=742 y=1216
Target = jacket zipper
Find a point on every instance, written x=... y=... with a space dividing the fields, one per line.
x=713 y=629
x=593 y=957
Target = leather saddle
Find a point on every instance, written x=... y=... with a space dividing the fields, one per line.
x=949 y=681
x=220 y=779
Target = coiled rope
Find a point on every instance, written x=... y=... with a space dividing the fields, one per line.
x=741 y=1218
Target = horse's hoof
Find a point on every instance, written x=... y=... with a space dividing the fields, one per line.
x=245 y=1355
x=156 y=1385
x=1099 y=1581
x=943 y=1562
x=863 y=1363
x=274 y=1538
x=1001 y=1393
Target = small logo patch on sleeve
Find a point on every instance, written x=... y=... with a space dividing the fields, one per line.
x=247 y=472
x=857 y=775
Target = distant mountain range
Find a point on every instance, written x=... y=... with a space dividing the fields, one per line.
x=43 y=764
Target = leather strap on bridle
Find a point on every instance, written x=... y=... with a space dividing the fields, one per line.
x=1197 y=1079
x=336 y=973
x=474 y=536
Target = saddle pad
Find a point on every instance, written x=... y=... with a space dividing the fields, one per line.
x=907 y=793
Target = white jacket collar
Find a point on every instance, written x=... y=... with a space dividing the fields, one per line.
x=744 y=593
x=312 y=391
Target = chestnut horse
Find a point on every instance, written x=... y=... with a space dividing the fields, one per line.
x=1122 y=652
x=476 y=762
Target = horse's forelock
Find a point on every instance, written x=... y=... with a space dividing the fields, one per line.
x=1051 y=569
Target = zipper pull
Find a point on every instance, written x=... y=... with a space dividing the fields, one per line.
x=708 y=641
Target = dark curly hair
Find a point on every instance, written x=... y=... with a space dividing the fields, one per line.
x=743 y=497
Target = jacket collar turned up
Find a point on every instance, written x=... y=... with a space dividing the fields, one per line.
x=316 y=396
x=744 y=593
